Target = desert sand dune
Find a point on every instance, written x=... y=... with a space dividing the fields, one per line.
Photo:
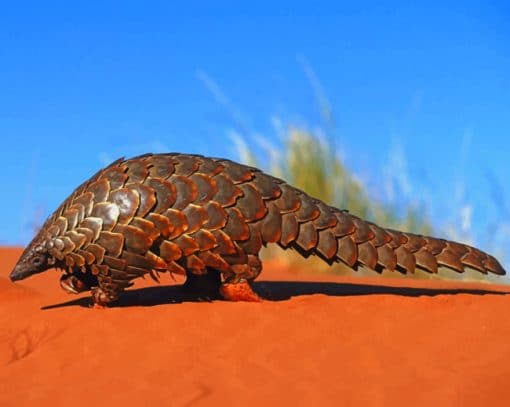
x=318 y=340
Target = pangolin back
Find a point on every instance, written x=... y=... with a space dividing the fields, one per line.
x=190 y=214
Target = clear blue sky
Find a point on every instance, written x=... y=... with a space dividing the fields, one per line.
x=84 y=84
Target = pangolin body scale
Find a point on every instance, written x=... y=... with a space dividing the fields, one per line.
x=208 y=218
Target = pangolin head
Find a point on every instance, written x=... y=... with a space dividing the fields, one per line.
x=35 y=259
x=38 y=257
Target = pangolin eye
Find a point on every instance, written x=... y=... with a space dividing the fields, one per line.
x=37 y=261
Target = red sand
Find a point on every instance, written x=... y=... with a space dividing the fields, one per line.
x=337 y=343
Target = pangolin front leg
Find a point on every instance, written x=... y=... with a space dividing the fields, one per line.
x=71 y=284
x=101 y=287
x=108 y=288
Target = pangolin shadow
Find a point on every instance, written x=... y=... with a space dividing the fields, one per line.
x=274 y=291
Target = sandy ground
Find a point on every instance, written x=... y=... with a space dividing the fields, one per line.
x=320 y=340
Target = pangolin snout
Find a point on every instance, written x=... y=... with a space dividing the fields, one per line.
x=19 y=272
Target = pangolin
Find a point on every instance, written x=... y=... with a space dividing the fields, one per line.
x=208 y=218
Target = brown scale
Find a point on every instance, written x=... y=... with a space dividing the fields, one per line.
x=208 y=219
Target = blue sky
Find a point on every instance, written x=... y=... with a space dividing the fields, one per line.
x=420 y=92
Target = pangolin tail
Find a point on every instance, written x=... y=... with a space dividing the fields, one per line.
x=296 y=220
